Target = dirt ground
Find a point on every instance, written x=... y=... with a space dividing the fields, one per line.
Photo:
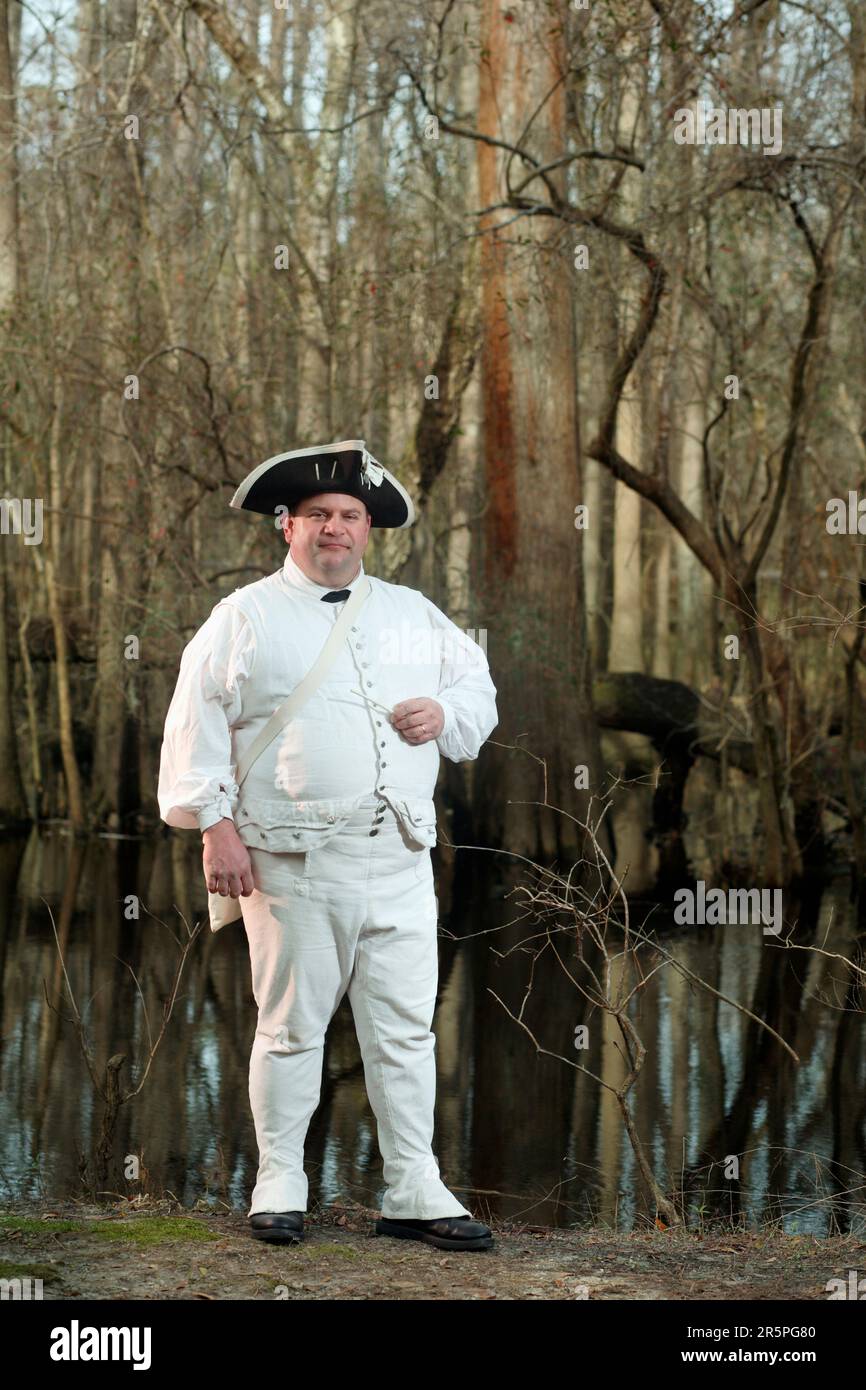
x=155 y=1250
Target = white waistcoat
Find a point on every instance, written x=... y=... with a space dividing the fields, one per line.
x=255 y=647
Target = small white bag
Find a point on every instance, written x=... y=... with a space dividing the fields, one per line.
x=223 y=910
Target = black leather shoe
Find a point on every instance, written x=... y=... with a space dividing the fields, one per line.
x=281 y=1227
x=448 y=1232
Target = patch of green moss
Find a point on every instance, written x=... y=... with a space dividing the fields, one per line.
x=32 y=1226
x=145 y=1230
x=154 y=1230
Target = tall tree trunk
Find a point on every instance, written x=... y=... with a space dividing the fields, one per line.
x=53 y=563
x=626 y=635
x=537 y=647
x=121 y=492
x=13 y=803
x=8 y=169
x=634 y=853
x=691 y=579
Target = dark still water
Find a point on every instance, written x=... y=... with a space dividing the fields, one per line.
x=519 y=1134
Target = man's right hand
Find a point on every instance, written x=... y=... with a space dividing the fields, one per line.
x=227 y=867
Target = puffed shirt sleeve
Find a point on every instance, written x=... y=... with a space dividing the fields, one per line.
x=466 y=692
x=197 y=786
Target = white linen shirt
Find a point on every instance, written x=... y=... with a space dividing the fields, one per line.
x=247 y=657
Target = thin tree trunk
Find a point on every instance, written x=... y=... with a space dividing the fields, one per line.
x=52 y=564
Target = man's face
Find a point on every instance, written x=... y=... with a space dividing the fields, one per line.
x=328 y=535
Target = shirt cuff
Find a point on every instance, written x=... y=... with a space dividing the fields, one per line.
x=217 y=811
x=450 y=717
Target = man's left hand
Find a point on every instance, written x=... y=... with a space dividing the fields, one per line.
x=419 y=720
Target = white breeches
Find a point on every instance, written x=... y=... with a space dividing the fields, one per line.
x=358 y=913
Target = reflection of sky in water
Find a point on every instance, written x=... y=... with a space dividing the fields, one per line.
x=627 y=1211
x=332 y=1165
x=366 y=1156
x=664 y=1043
x=694 y=1102
x=740 y=962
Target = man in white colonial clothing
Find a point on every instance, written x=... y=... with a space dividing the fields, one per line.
x=326 y=842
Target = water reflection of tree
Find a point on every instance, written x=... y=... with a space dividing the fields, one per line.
x=109 y=1087
x=580 y=918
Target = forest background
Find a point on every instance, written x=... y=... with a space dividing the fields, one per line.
x=621 y=372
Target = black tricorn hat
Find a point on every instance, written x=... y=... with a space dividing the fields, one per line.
x=347 y=467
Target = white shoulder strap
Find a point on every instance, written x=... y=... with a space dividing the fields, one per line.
x=311 y=682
